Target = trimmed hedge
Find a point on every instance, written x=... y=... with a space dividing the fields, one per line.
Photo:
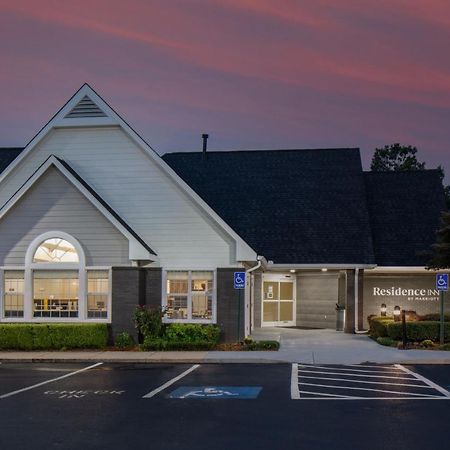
x=184 y=336
x=378 y=326
x=418 y=331
x=262 y=345
x=55 y=336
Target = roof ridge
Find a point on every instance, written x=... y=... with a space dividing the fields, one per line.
x=268 y=150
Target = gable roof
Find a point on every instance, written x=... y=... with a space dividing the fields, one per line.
x=7 y=156
x=139 y=249
x=404 y=210
x=88 y=100
x=292 y=206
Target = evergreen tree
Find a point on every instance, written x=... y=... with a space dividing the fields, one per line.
x=441 y=250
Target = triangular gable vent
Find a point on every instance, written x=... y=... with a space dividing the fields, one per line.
x=85 y=108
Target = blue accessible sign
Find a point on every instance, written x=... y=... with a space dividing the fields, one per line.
x=442 y=281
x=226 y=392
x=239 y=280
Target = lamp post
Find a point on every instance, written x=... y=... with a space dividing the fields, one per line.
x=383 y=309
x=397 y=313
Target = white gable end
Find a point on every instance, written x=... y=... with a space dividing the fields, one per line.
x=141 y=188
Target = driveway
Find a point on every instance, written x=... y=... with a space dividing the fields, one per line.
x=334 y=347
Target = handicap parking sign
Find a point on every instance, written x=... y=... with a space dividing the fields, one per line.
x=442 y=281
x=239 y=280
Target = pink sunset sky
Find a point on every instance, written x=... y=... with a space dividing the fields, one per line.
x=254 y=74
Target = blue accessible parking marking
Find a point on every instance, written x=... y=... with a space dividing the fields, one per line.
x=241 y=392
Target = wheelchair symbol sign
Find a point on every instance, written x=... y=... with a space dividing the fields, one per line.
x=442 y=281
x=239 y=280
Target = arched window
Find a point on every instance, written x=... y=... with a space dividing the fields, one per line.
x=55 y=250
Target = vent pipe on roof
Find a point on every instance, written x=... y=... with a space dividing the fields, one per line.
x=205 y=144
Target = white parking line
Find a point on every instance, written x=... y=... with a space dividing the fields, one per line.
x=170 y=382
x=424 y=380
x=347 y=369
x=356 y=375
x=335 y=396
x=368 y=389
x=295 y=393
x=10 y=394
x=368 y=382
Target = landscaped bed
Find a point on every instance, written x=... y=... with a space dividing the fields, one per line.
x=421 y=333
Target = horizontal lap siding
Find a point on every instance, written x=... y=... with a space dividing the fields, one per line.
x=53 y=203
x=138 y=190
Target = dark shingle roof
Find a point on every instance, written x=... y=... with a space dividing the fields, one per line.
x=7 y=155
x=292 y=206
x=404 y=209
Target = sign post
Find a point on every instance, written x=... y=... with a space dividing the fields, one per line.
x=442 y=286
x=239 y=284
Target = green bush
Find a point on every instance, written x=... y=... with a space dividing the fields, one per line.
x=434 y=317
x=418 y=331
x=378 y=325
x=148 y=321
x=387 y=341
x=192 y=332
x=124 y=340
x=40 y=336
x=262 y=345
x=427 y=343
x=161 y=344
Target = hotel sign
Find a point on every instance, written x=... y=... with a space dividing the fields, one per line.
x=408 y=294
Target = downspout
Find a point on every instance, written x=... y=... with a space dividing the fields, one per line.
x=248 y=310
x=357 y=331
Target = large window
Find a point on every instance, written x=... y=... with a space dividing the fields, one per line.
x=56 y=250
x=189 y=295
x=13 y=288
x=97 y=295
x=55 y=293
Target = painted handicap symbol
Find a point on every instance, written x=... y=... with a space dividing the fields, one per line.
x=209 y=392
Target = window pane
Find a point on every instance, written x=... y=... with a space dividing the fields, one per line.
x=286 y=311
x=177 y=307
x=55 y=293
x=55 y=250
x=270 y=311
x=97 y=297
x=286 y=290
x=13 y=289
x=201 y=290
x=270 y=290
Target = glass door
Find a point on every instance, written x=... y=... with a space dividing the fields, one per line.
x=278 y=301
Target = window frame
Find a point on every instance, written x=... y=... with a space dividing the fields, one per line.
x=189 y=319
x=30 y=266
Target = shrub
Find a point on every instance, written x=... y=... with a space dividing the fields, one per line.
x=387 y=341
x=148 y=321
x=192 y=332
x=378 y=325
x=427 y=343
x=434 y=317
x=418 y=331
x=161 y=344
x=124 y=340
x=40 y=336
x=262 y=345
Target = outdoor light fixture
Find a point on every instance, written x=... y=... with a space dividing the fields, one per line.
x=292 y=271
x=383 y=309
x=324 y=269
x=397 y=313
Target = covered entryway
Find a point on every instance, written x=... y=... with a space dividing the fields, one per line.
x=278 y=295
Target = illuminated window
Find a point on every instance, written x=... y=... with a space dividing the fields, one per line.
x=13 y=288
x=97 y=295
x=56 y=250
x=189 y=295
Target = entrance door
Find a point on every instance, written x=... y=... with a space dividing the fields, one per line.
x=278 y=300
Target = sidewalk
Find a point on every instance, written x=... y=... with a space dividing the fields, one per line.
x=302 y=346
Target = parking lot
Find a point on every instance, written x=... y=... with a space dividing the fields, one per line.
x=221 y=406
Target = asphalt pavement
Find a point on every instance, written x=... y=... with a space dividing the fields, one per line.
x=100 y=405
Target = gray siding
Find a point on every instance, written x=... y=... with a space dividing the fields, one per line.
x=421 y=304
x=53 y=203
x=317 y=295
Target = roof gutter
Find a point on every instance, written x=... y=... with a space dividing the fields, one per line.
x=321 y=266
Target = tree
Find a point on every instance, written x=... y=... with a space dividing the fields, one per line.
x=396 y=157
x=441 y=250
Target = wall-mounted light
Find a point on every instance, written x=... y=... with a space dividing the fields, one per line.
x=324 y=269
x=292 y=271
x=383 y=309
x=396 y=313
